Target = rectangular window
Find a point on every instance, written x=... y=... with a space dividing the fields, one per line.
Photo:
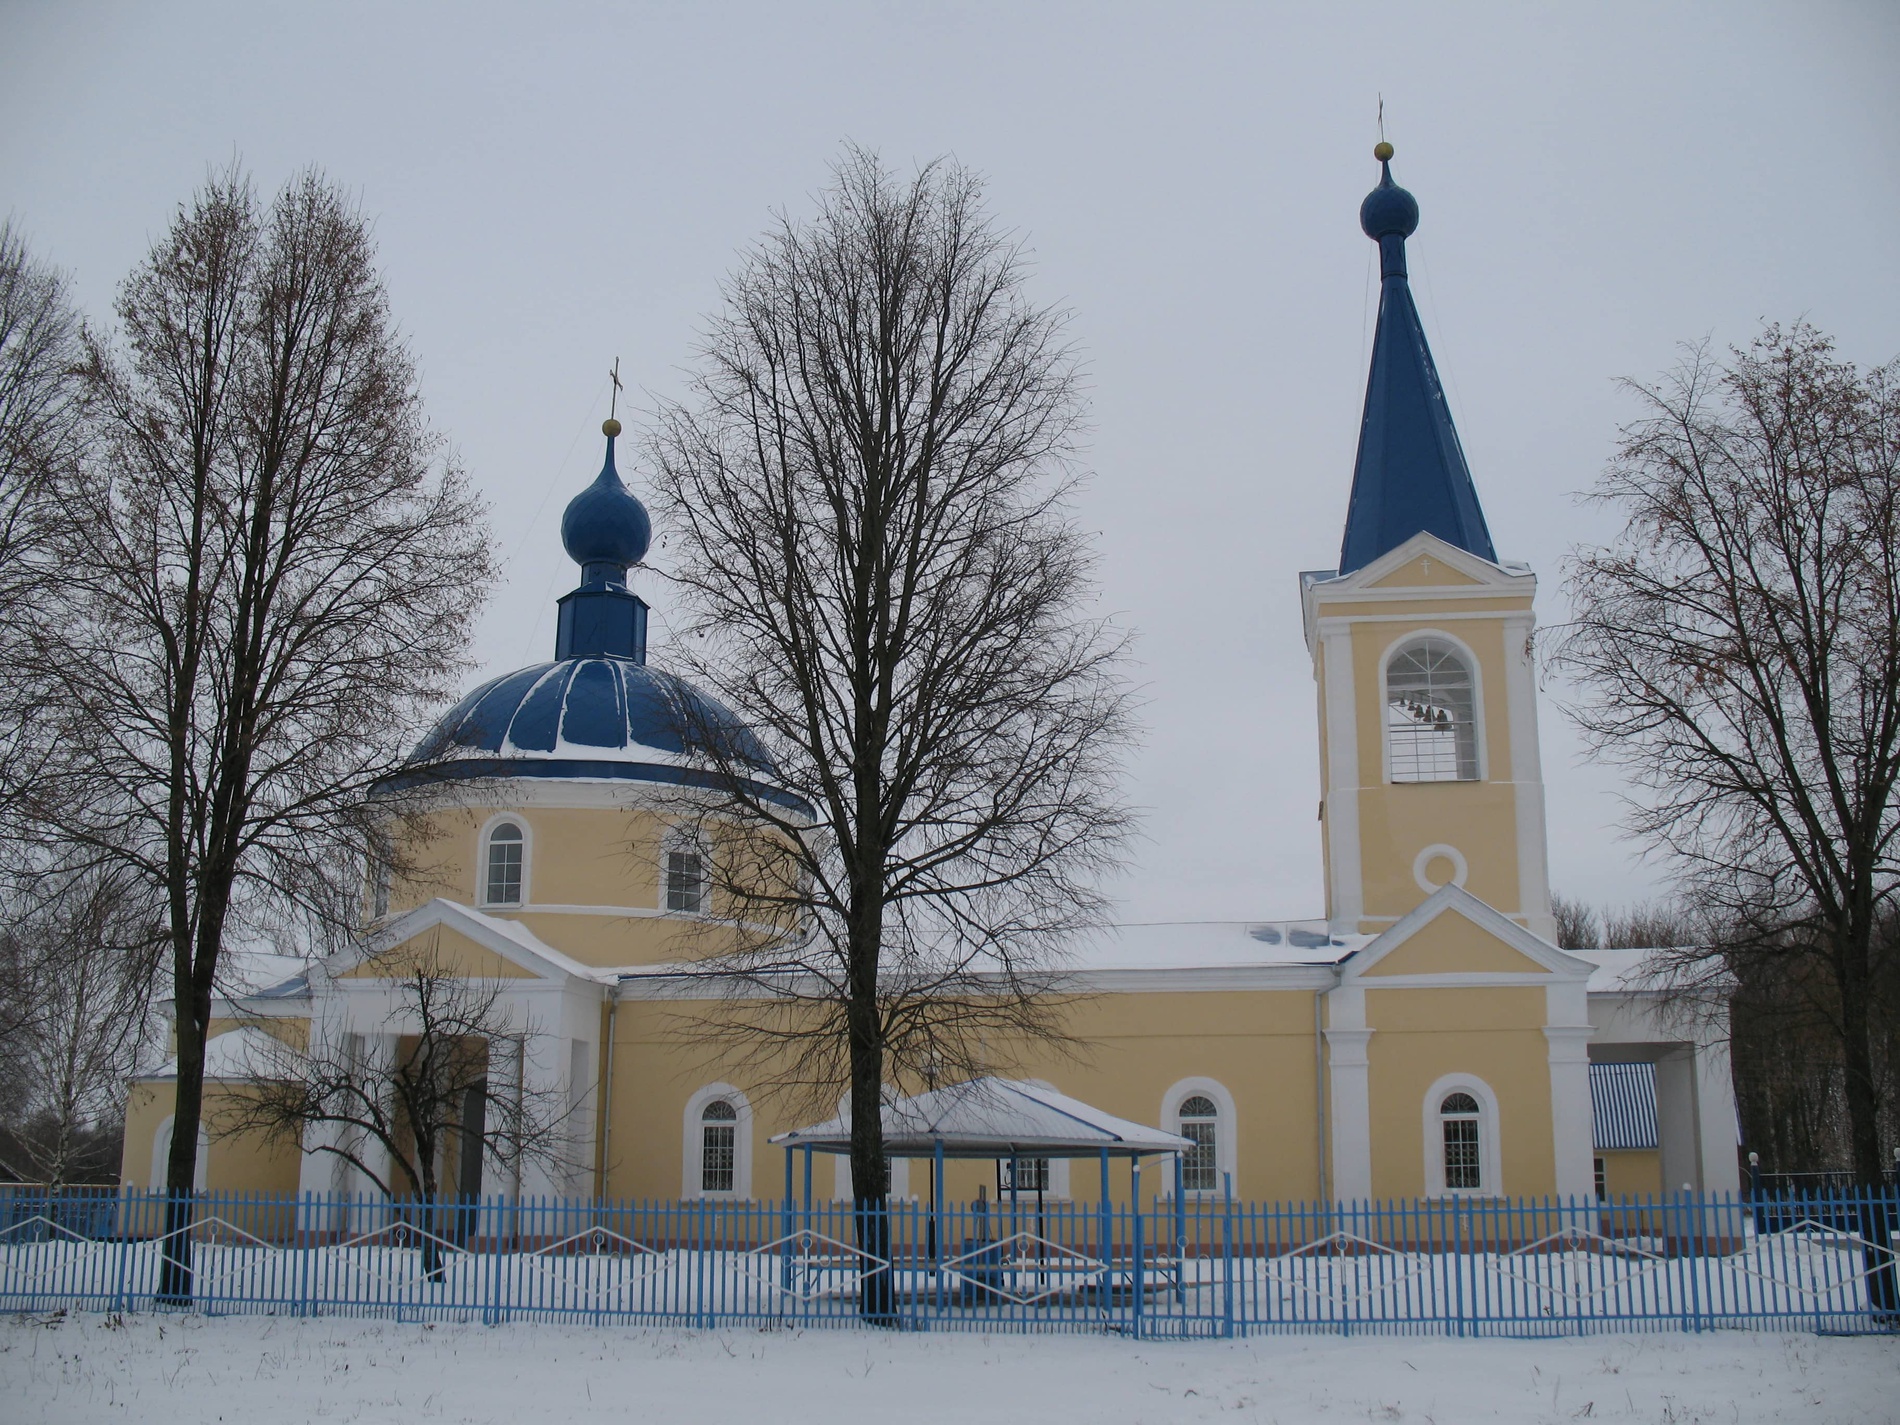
x=1603 y=1181
x=685 y=882
x=1031 y=1174
x=718 y=1158
x=1461 y=1154
x=1199 y=1169
x=504 y=872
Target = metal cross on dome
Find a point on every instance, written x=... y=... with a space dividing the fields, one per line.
x=613 y=400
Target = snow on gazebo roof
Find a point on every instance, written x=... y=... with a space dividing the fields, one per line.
x=994 y=1118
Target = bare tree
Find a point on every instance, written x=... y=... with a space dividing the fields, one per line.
x=1739 y=652
x=268 y=573
x=41 y=428
x=84 y=950
x=1578 y=925
x=870 y=498
x=452 y=1097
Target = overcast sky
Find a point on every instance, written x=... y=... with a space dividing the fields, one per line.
x=557 y=185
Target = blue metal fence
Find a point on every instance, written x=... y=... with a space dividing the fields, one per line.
x=1209 y=1266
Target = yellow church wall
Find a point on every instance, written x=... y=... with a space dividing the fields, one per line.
x=1424 y=571
x=1496 y=1035
x=248 y=1164
x=582 y=864
x=596 y=856
x=1257 y=1045
x=448 y=951
x=1631 y=1172
x=1451 y=945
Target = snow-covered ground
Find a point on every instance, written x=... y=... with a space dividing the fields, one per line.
x=258 y=1370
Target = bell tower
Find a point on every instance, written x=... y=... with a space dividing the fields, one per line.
x=1429 y=763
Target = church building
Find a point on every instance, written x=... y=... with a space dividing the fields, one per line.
x=1424 y=1037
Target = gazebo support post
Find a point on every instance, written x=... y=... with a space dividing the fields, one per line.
x=936 y=1217
x=1135 y=1276
x=1105 y=1238
x=808 y=1190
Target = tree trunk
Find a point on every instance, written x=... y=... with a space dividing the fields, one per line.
x=181 y=1161
x=1879 y=1218
x=870 y=1184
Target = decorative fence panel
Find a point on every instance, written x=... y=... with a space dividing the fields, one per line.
x=1206 y=1267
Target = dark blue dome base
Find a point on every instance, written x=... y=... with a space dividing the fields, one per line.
x=482 y=769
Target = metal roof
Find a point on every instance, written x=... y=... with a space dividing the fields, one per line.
x=994 y=1118
x=1410 y=474
x=1623 y=1104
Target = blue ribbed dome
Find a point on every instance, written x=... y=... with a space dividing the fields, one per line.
x=1388 y=211
x=594 y=718
x=605 y=524
x=589 y=709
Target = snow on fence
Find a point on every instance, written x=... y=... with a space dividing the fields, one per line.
x=1200 y=1267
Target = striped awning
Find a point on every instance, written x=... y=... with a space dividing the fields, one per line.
x=1623 y=1103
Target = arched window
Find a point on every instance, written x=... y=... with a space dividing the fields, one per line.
x=718 y=1147
x=1200 y=1168
x=1460 y=1124
x=716 y=1160
x=506 y=860
x=1201 y=1111
x=1431 y=714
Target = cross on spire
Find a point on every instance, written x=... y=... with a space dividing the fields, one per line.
x=613 y=400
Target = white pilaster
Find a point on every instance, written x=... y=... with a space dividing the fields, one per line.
x=1527 y=778
x=1342 y=779
x=1351 y=1093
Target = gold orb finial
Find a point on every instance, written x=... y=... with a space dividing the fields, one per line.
x=610 y=427
x=1382 y=150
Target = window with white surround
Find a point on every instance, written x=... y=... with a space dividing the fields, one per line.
x=1461 y=1138
x=1431 y=726
x=1201 y=1111
x=504 y=864
x=716 y=1155
x=683 y=877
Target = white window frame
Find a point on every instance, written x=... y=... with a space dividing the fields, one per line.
x=693 y=1144
x=1490 y=1153
x=489 y=827
x=680 y=840
x=1226 y=1133
x=1403 y=645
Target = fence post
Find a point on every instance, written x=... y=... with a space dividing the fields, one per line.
x=1227 y=1250
x=1457 y=1262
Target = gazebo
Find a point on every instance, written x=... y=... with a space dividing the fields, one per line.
x=1001 y=1119
x=994 y=1118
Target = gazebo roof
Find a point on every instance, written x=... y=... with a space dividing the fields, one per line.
x=994 y=1118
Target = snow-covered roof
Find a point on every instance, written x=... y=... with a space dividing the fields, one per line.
x=234 y=1055
x=1174 y=945
x=1619 y=971
x=994 y=1118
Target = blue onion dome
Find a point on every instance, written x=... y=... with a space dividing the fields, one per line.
x=605 y=528
x=1388 y=211
x=597 y=712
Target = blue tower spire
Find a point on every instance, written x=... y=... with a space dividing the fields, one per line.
x=606 y=531
x=1410 y=474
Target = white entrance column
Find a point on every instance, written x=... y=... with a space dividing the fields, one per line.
x=1572 y=1120
x=1347 y=1074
